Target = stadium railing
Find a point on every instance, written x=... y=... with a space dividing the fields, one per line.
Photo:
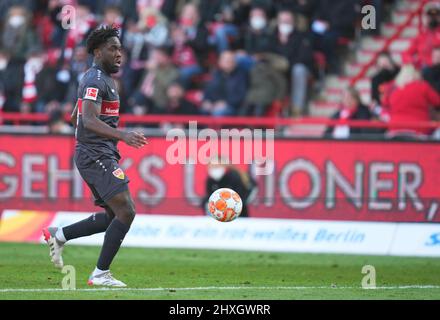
x=269 y=122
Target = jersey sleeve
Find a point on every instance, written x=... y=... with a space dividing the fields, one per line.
x=94 y=90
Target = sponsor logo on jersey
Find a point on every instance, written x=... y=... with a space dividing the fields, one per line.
x=111 y=111
x=118 y=173
x=110 y=108
x=91 y=93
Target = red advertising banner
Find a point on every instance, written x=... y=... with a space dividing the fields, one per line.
x=313 y=179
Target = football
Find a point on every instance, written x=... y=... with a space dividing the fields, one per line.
x=225 y=205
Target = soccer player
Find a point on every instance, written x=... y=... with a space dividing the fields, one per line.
x=95 y=117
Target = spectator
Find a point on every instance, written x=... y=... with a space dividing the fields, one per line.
x=222 y=175
x=387 y=70
x=18 y=37
x=126 y=9
x=177 y=103
x=258 y=37
x=432 y=73
x=150 y=97
x=411 y=102
x=219 y=16
x=420 y=51
x=32 y=67
x=266 y=85
x=79 y=65
x=5 y=5
x=226 y=92
x=333 y=20
x=11 y=82
x=57 y=125
x=303 y=9
x=296 y=47
x=190 y=38
x=153 y=26
x=51 y=85
x=113 y=17
x=351 y=108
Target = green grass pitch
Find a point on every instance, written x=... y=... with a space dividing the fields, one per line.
x=27 y=273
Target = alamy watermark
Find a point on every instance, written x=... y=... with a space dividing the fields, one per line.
x=369 y=17
x=224 y=148
x=69 y=280
x=68 y=17
x=369 y=280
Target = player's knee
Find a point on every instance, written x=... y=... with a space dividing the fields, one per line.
x=128 y=213
x=128 y=216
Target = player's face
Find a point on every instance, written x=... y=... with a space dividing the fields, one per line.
x=112 y=55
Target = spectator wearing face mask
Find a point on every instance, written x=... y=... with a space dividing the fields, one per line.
x=333 y=20
x=296 y=47
x=50 y=90
x=228 y=176
x=258 y=37
x=18 y=37
x=420 y=51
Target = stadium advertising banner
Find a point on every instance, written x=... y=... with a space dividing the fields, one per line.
x=312 y=180
x=283 y=235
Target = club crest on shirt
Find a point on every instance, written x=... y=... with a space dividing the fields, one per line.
x=91 y=93
x=118 y=173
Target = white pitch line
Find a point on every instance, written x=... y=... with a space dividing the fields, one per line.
x=223 y=288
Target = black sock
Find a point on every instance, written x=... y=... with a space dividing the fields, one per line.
x=96 y=223
x=114 y=236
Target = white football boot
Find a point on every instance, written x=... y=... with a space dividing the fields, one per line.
x=105 y=279
x=55 y=247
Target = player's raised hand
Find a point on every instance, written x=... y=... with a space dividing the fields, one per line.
x=135 y=139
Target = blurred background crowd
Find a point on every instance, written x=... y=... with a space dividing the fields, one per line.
x=216 y=57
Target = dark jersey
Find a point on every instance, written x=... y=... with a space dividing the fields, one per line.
x=99 y=87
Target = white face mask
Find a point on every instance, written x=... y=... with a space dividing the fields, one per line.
x=3 y=64
x=217 y=173
x=16 y=21
x=35 y=64
x=258 y=23
x=285 y=29
x=63 y=76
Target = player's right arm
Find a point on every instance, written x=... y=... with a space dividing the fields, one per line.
x=91 y=121
x=74 y=115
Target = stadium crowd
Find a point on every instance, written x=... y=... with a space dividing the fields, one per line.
x=264 y=51
x=209 y=57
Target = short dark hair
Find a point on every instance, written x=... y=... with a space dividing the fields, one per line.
x=100 y=36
